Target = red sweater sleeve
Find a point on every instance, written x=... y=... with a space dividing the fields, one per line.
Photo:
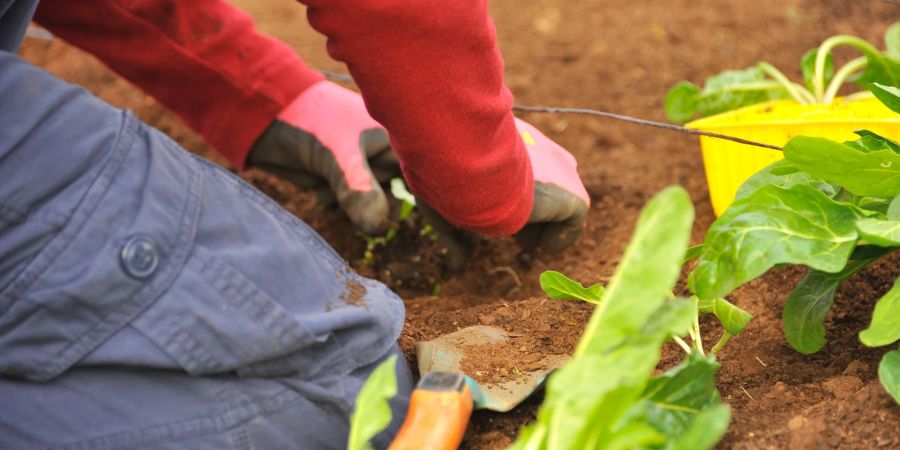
x=431 y=73
x=203 y=59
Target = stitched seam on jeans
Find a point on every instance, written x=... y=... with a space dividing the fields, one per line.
x=273 y=208
x=250 y=300
x=60 y=242
x=148 y=293
x=12 y=214
x=191 y=352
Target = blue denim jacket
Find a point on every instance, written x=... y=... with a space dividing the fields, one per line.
x=149 y=299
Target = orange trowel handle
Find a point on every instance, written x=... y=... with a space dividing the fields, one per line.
x=439 y=411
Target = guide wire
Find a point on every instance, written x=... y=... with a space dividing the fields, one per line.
x=343 y=78
x=644 y=122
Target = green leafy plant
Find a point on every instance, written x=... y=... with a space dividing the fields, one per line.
x=732 y=318
x=372 y=414
x=833 y=207
x=607 y=396
x=734 y=89
x=889 y=373
x=561 y=287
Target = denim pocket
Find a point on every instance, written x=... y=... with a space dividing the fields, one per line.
x=213 y=319
x=263 y=295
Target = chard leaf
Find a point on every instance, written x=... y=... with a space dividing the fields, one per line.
x=889 y=373
x=590 y=413
x=581 y=408
x=673 y=318
x=706 y=430
x=785 y=169
x=705 y=306
x=733 y=89
x=728 y=90
x=882 y=68
x=893 y=211
x=733 y=319
x=876 y=173
x=805 y=309
x=885 y=233
x=892 y=41
x=870 y=142
x=877 y=205
x=808 y=66
x=885 y=326
x=635 y=435
x=889 y=95
x=372 y=414
x=784 y=174
x=799 y=225
x=692 y=253
x=682 y=101
x=622 y=341
x=561 y=287
x=645 y=276
x=677 y=396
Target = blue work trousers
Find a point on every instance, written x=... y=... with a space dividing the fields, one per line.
x=150 y=299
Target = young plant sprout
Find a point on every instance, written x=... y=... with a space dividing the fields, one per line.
x=407 y=204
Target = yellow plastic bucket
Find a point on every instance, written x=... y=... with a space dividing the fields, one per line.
x=728 y=164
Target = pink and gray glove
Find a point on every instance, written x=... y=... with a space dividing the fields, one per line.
x=560 y=200
x=560 y=203
x=325 y=140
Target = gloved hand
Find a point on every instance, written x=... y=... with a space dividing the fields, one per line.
x=326 y=140
x=560 y=203
x=560 y=200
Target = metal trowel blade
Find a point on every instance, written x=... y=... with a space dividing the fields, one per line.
x=446 y=353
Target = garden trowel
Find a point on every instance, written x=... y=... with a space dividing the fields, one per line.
x=443 y=400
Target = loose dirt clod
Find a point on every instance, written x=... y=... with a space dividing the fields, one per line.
x=509 y=359
x=843 y=386
x=355 y=294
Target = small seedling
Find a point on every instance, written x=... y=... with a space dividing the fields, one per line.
x=407 y=204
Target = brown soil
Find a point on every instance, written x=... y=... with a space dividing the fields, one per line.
x=411 y=263
x=621 y=56
x=534 y=324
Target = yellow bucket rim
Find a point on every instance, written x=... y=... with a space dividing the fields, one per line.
x=779 y=113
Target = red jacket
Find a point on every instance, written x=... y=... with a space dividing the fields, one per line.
x=429 y=71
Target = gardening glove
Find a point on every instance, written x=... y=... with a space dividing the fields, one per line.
x=558 y=213
x=560 y=200
x=326 y=141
